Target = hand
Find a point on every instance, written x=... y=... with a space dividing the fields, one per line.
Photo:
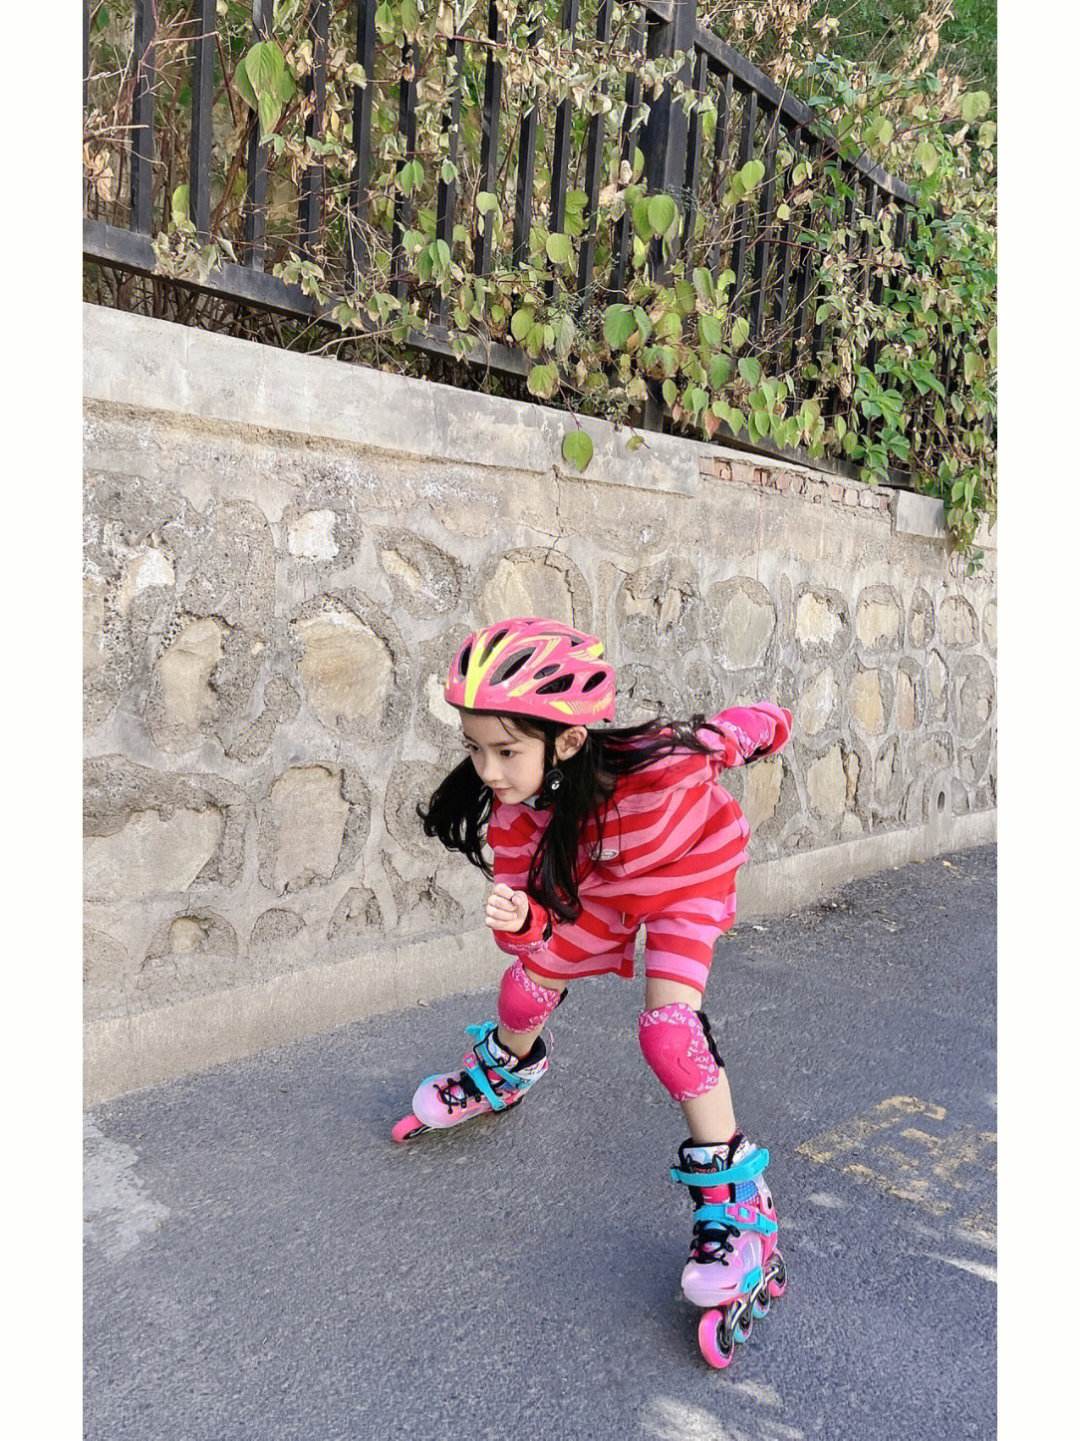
x=506 y=909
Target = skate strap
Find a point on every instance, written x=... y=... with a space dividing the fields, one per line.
x=744 y=1171
x=743 y=1218
x=478 y=1074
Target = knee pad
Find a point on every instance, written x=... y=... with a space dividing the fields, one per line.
x=678 y=1046
x=523 y=1005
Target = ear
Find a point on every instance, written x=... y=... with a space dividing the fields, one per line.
x=570 y=742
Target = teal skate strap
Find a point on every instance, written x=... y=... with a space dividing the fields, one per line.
x=733 y=1213
x=478 y=1074
x=744 y=1171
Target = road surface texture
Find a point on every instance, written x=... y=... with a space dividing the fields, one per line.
x=264 y=1264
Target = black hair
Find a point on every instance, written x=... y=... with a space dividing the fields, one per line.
x=458 y=811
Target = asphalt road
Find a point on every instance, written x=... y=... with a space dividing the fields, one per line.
x=264 y=1263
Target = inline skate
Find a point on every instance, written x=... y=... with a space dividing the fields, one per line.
x=735 y=1270
x=493 y=1079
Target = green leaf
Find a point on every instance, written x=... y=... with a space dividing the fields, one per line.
x=577 y=449
x=685 y=298
x=619 y=325
x=410 y=18
x=926 y=156
x=974 y=104
x=670 y=391
x=560 y=248
x=703 y=284
x=542 y=381
x=522 y=322
x=752 y=173
x=696 y=400
x=710 y=331
x=181 y=205
x=750 y=369
x=565 y=331
x=662 y=213
x=384 y=21
x=669 y=326
x=635 y=442
x=265 y=82
x=719 y=371
x=987 y=134
x=642 y=226
x=740 y=332
x=878 y=132
x=486 y=202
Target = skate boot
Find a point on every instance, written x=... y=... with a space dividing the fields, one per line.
x=735 y=1270
x=493 y=1079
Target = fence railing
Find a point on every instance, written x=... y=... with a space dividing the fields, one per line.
x=495 y=139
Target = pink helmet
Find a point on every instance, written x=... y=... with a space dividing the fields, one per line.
x=534 y=667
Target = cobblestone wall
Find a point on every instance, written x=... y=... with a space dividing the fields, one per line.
x=269 y=616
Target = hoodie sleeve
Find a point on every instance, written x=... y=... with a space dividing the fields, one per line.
x=512 y=847
x=748 y=733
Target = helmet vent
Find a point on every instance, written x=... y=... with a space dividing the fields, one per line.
x=465 y=654
x=556 y=686
x=511 y=667
x=597 y=678
x=546 y=670
x=494 y=641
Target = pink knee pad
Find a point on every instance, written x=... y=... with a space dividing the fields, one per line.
x=523 y=1005
x=678 y=1046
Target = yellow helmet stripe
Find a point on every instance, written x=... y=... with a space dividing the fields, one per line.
x=478 y=669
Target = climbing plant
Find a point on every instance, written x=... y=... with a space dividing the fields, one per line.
x=892 y=369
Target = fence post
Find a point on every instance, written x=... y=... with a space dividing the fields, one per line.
x=664 y=144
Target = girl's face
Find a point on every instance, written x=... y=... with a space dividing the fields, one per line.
x=506 y=759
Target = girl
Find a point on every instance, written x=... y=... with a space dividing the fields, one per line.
x=595 y=833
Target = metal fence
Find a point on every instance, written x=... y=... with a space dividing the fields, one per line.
x=536 y=159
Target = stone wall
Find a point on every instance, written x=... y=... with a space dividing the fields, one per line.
x=281 y=552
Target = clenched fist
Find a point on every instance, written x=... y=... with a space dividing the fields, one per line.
x=506 y=909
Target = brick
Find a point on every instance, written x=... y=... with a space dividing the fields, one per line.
x=851 y=496
x=836 y=490
x=761 y=475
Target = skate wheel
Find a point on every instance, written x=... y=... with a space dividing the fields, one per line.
x=407 y=1128
x=778 y=1278
x=744 y=1326
x=716 y=1346
x=762 y=1302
